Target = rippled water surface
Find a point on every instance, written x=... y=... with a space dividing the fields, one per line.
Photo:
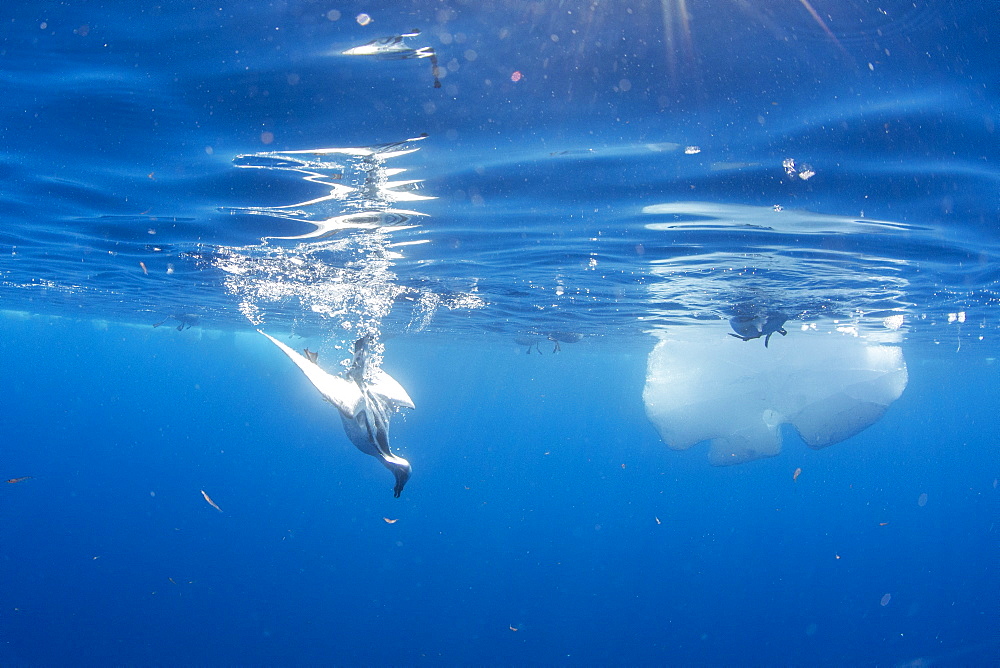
x=591 y=230
x=575 y=168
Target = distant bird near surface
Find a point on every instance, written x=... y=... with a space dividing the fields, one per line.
x=186 y=320
x=532 y=339
x=748 y=328
x=563 y=337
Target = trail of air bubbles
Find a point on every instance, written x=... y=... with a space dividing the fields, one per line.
x=338 y=274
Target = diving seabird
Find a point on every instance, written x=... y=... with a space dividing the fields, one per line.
x=364 y=405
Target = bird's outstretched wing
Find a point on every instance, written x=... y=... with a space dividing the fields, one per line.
x=390 y=390
x=342 y=393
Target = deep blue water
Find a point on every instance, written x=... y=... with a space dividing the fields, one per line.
x=643 y=182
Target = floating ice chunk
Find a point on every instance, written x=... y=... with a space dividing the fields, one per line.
x=703 y=385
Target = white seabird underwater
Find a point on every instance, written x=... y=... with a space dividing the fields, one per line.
x=365 y=398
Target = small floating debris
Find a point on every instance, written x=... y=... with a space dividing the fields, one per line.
x=798 y=472
x=804 y=172
x=14 y=481
x=210 y=502
x=389 y=521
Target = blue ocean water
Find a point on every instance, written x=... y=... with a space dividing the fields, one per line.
x=556 y=221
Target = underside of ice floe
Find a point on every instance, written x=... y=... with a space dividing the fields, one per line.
x=703 y=385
